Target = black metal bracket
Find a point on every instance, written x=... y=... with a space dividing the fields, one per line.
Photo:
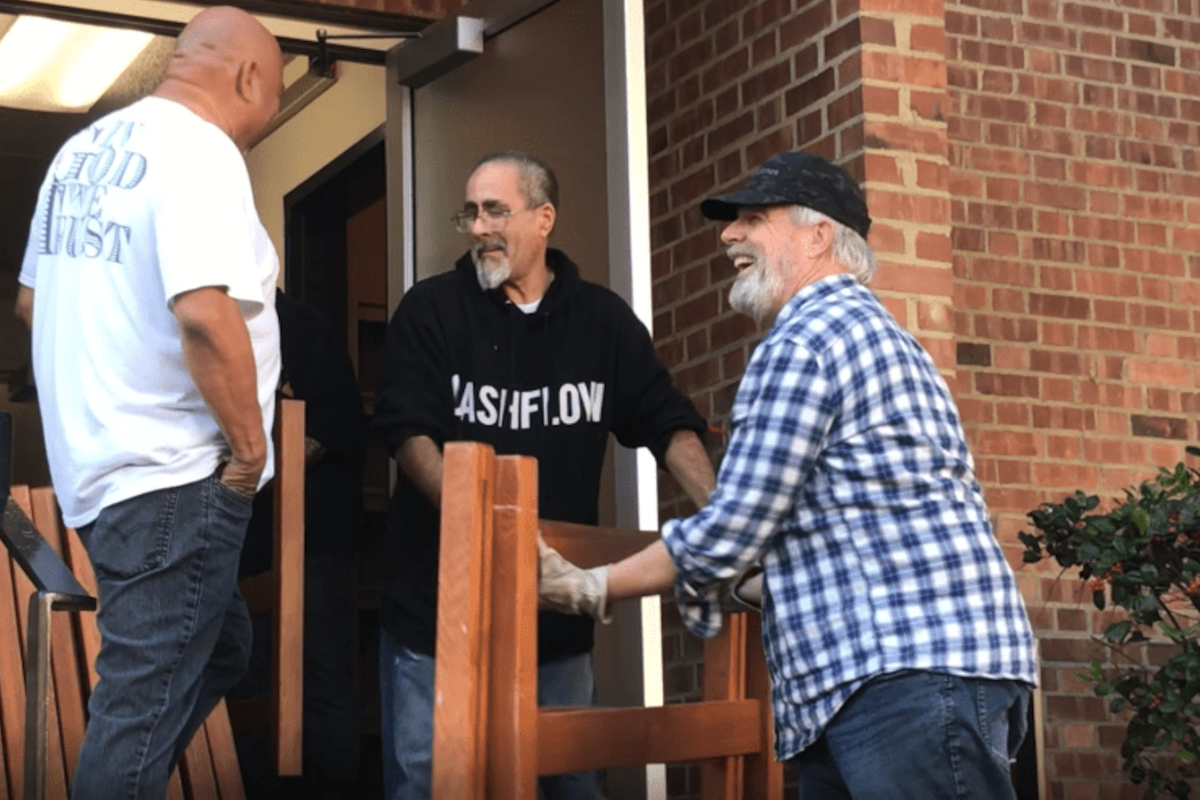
x=45 y=570
x=322 y=63
x=33 y=554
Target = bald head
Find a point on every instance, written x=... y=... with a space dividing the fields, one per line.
x=227 y=68
x=224 y=33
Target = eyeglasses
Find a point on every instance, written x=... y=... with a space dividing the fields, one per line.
x=494 y=218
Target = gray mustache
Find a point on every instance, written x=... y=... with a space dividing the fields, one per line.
x=480 y=247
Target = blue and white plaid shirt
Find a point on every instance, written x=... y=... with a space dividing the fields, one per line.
x=848 y=475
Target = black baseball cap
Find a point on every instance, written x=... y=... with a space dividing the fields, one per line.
x=801 y=179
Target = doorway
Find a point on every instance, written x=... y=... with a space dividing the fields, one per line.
x=336 y=256
x=563 y=80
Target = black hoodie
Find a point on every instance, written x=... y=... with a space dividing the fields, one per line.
x=464 y=364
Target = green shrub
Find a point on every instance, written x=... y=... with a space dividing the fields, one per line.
x=1144 y=555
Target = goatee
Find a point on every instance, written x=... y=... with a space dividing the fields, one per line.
x=494 y=275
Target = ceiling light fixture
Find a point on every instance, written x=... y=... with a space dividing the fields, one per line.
x=48 y=65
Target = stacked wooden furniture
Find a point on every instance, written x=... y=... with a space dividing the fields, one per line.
x=280 y=594
x=490 y=738
x=209 y=769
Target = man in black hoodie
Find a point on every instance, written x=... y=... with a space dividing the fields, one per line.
x=511 y=348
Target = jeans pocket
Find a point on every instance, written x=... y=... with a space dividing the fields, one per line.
x=228 y=491
x=133 y=537
x=1001 y=710
x=1018 y=721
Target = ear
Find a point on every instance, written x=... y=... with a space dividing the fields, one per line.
x=820 y=241
x=547 y=215
x=249 y=80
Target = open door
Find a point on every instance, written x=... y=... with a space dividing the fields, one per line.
x=562 y=79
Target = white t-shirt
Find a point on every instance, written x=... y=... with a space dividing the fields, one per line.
x=148 y=202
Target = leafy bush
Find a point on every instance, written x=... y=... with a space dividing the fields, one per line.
x=1144 y=554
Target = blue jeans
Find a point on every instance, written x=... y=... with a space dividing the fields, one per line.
x=406 y=686
x=175 y=635
x=919 y=735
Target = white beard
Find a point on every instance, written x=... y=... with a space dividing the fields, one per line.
x=755 y=290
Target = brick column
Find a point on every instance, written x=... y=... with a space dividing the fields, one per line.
x=903 y=103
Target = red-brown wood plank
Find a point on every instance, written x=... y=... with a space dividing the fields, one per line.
x=12 y=678
x=56 y=778
x=461 y=674
x=592 y=546
x=763 y=774
x=288 y=659
x=12 y=656
x=577 y=739
x=724 y=677
x=196 y=769
x=65 y=656
x=224 y=754
x=513 y=733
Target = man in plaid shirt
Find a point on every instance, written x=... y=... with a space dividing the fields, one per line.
x=901 y=655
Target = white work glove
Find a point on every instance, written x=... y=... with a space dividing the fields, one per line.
x=566 y=588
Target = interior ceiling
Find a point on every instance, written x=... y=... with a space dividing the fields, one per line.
x=137 y=80
x=33 y=133
x=36 y=135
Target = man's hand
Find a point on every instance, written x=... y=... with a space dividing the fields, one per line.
x=242 y=476
x=314 y=451
x=566 y=588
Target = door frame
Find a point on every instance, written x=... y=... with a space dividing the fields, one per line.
x=447 y=44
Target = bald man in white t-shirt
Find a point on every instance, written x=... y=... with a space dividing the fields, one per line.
x=149 y=283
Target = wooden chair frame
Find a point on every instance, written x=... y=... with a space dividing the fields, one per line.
x=209 y=769
x=490 y=738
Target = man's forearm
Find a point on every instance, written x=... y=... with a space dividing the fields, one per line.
x=220 y=358
x=421 y=460
x=648 y=572
x=652 y=570
x=24 y=307
x=688 y=462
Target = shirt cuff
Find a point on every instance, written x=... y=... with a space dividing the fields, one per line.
x=700 y=609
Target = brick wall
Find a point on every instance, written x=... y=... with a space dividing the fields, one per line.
x=1033 y=168
x=1074 y=134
